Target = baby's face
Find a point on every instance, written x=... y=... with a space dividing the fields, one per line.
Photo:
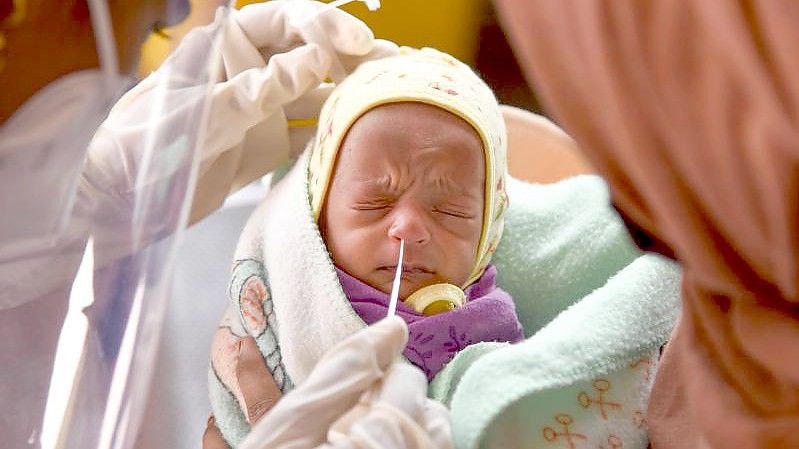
x=406 y=171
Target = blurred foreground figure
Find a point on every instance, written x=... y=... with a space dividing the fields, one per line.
x=690 y=109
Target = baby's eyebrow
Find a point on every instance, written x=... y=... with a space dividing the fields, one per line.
x=381 y=183
x=448 y=185
x=445 y=184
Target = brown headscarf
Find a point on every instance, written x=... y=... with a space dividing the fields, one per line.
x=690 y=109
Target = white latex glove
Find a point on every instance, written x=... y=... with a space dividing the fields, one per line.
x=358 y=396
x=288 y=87
x=246 y=133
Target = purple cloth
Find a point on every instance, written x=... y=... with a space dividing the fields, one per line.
x=488 y=315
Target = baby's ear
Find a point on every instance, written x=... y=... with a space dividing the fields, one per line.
x=538 y=150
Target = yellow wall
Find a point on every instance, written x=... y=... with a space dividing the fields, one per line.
x=156 y=48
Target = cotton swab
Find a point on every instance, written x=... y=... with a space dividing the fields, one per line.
x=373 y=5
x=392 y=304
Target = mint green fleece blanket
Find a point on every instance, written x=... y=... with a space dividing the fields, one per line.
x=595 y=312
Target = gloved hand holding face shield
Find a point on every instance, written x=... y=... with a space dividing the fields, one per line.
x=245 y=131
x=227 y=94
x=212 y=118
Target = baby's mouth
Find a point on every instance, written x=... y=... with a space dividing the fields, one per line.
x=408 y=271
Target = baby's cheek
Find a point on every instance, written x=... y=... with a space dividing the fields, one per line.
x=351 y=248
x=461 y=257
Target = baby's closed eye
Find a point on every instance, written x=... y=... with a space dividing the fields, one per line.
x=454 y=211
x=376 y=203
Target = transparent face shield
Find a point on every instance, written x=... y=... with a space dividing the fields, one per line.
x=88 y=231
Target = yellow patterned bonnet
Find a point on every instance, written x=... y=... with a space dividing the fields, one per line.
x=426 y=76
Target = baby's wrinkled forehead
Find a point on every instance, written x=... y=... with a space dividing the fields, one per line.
x=403 y=126
x=413 y=138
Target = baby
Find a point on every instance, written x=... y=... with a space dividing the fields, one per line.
x=409 y=148
x=413 y=148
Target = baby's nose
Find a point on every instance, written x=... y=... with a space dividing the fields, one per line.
x=409 y=224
